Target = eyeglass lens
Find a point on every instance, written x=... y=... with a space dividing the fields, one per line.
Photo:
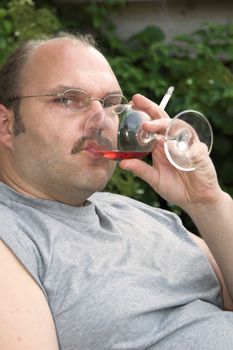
x=78 y=100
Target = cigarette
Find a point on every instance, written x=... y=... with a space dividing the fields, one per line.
x=166 y=97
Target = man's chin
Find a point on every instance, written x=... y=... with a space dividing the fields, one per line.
x=95 y=182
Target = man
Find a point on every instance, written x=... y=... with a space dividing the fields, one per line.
x=85 y=270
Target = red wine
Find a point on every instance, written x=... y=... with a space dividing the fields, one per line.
x=119 y=155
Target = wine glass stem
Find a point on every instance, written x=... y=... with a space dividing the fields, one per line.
x=147 y=137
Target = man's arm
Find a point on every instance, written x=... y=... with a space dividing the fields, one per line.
x=228 y=303
x=215 y=224
x=25 y=319
x=197 y=192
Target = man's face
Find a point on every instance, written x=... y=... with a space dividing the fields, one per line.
x=45 y=158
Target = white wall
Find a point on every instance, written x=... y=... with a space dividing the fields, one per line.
x=173 y=17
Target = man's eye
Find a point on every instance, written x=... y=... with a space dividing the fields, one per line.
x=109 y=103
x=66 y=100
x=112 y=102
x=73 y=102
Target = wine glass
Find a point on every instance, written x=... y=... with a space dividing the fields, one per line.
x=121 y=136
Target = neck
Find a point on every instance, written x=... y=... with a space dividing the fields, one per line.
x=76 y=199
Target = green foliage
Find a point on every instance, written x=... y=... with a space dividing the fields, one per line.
x=20 y=20
x=200 y=66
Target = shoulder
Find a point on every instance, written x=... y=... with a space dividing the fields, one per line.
x=106 y=200
x=15 y=236
x=111 y=201
x=108 y=197
x=25 y=319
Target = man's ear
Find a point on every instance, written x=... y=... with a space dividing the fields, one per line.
x=6 y=126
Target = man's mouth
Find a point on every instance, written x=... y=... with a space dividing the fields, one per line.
x=93 y=146
x=94 y=149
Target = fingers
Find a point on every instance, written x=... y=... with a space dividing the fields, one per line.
x=157 y=125
x=149 y=107
x=141 y=169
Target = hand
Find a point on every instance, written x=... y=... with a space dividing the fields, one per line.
x=182 y=188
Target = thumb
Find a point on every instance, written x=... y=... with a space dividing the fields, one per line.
x=141 y=169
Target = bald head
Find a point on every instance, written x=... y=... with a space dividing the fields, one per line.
x=11 y=73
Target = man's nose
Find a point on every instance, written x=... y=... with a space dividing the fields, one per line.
x=95 y=122
x=97 y=104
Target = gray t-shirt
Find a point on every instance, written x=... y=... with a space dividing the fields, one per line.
x=117 y=274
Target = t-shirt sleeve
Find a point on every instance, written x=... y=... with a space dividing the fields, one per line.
x=23 y=247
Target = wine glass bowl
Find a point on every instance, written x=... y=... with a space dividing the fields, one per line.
x=185 y=136
x=129 y=130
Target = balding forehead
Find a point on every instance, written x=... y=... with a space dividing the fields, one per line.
x=65 y=49
x=64 y=42
x=60 y=60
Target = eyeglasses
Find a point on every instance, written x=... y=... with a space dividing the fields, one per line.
x=78 y=100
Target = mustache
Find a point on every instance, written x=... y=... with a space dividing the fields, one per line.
x=99 y=141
